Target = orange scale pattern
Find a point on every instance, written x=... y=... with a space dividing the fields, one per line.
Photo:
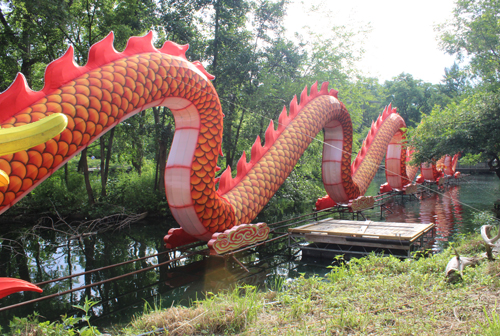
x=253 y=192
x=97 y=100
x=376 y=152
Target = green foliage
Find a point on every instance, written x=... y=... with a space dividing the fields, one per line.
x=484 y=218
x=466 y=127
x=492 y=324
x=473 y=36
x=57 y=193
x=31 y=325
x=136 y=192
x=414 y=98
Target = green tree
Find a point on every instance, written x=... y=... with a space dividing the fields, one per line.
x=408 y=95
x=455 y=82
x=469 y=127
x=473 y=35
x=29 y=38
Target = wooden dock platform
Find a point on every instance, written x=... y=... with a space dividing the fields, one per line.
x=330 y=237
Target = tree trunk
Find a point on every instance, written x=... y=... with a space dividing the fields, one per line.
x=85 y=168
x=105 y=159
x=22 y=263
x=216 y=41
x=162 y=159
x=156 y=116
x=5 y=258
x=102 y=145
x=108 y=154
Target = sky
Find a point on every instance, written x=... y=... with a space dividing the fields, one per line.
x=402 y=37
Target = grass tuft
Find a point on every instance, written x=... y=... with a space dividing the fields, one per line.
x=375 y=295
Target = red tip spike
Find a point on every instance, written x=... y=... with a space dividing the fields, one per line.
x=314 y=90
x=257 y=150
x=140 y=44
x=385 y=113
x=174 y=49
x=17 y=97
x=270 y=134
x=294 y=108
x=200 y=67
x=217 y=168
x=324 y=88
x=303 y=97
x=102 y=52
x=225 y=181
x=242 y=165
x=61 y=71
x=283 y=120
x=334 y=93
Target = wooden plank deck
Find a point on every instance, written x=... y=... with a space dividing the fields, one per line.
x=332 y=229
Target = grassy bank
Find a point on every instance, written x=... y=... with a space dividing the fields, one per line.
x=370 y=296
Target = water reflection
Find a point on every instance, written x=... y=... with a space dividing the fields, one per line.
x=52 y=255
x=42 y=255
x=451 y=207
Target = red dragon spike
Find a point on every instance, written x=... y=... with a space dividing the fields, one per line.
x=356 y=163
x=271 y=135
x=225 y=182
x=61 y=71
x=17 y=97
x=334 y=93
x=174 y=49
x=324 y=88
x=294 y=108
x=242 y=166
x=304 y=97
x=283 y=120
x=387 y=111
x=314 y=91
x=140 y=44
x=102 y=52
x=257 y=150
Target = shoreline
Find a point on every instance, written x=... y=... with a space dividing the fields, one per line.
x=379 y=295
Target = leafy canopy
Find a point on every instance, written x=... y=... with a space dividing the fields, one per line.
x=469 y=126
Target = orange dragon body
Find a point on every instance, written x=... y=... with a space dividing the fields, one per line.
x=441 y=171
x=113 y=86
x=385 y=138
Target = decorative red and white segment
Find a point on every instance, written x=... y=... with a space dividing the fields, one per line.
x=393 y=159
x=178 y=168
x=332 y=162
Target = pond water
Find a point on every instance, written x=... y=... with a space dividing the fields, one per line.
x=42 y=255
